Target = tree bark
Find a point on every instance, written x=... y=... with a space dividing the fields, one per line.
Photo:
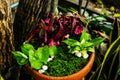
x=28 y=14
x=6 y=36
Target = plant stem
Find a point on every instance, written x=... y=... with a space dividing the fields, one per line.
x=30 y=38
x=95 y=72
x=85 y=7
x=116 y=75
x=80 y=5
x=109 y=74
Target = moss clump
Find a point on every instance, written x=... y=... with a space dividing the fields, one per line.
x=65 y=64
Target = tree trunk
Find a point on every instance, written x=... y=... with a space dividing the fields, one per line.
x=6 y=36
x=28 y=13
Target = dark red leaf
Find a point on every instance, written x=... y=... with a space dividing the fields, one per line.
x=78 y=30
x=60 y=31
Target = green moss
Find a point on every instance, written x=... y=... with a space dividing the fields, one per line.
x=65 y=64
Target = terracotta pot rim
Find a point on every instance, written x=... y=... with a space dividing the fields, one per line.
x=87 y=67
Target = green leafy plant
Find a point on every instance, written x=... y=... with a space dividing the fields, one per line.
x=38 y=58
x=35 y=57
x=100 y=23
x=82 y=46
x=111 y=50
x=54 y=35
x=108 y=67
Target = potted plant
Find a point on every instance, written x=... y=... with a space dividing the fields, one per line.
x=60 y=48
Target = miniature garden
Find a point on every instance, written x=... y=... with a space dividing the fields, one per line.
x=60 y=40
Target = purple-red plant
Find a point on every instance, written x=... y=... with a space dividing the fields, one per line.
x=53 y=30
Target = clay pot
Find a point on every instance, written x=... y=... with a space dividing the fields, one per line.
x=76 y=76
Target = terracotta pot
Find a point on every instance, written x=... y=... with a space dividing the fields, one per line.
x=76 y=76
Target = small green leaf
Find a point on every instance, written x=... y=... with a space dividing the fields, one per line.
x=87 y=44
x=71 y=42
x=108 y=26
x=84 y=51
x=91 y=50
x=100 y=18
x=74 y=49
x=52 y=50
x=86 y=36
x=20 y=57
x=62 y=9
x=97 y=41
x=34 y=60
x=26 y=47
x=40 y=54
x=45 y=53
x=77 y=48
x=71 y=50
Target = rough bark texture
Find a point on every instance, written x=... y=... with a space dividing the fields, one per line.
x=13 y=1
x=28 y=13
x=6 y=36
